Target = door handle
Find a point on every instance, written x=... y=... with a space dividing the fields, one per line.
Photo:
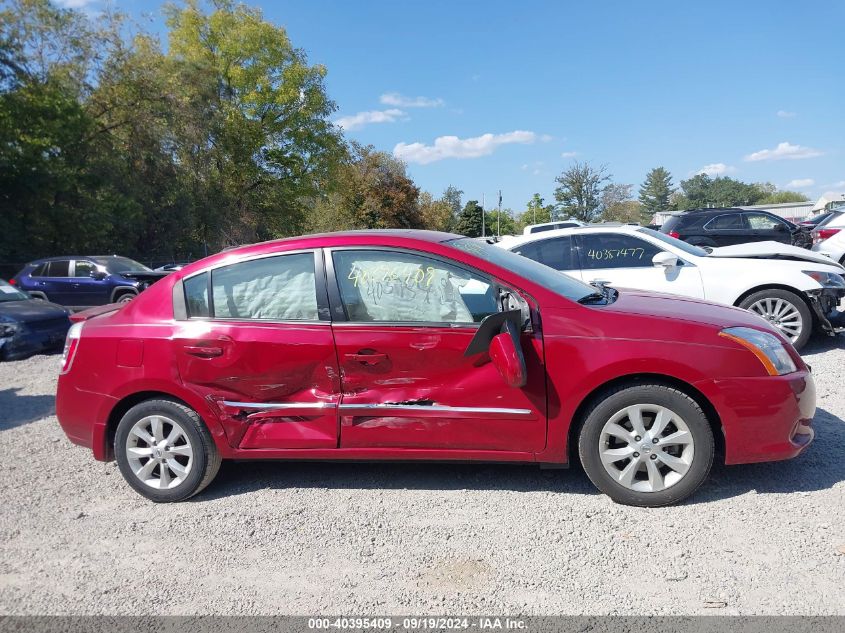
x=204 y=351
x=367 y=359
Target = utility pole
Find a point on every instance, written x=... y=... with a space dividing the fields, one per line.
x=499 y=216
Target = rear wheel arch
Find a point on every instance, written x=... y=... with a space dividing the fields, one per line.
x=125 y=404
x=122 y=291
x=633 y=380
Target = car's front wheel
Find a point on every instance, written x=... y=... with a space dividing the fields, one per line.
x=164 y=451
x=785 y=310
x=646 y=445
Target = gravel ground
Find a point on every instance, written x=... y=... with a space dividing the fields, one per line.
x=277 y=538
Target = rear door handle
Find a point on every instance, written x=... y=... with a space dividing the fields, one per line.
x=204 y=351
x=367 y=359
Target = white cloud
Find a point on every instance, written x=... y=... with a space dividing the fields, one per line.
x=454 y=147
x=401 y=101
x=716 y=169
x=356 y=121
x=800 y=183
x=785 y=114
x=784 y=151
x=569 y=154
x=546 y=138
x=839 y=185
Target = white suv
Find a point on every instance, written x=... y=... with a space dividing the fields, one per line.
x=793 y=288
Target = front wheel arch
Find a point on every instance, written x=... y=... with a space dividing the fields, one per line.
x=122 y=291
x=633 y=380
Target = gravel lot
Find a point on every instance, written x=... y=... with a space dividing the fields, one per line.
x=276 y=538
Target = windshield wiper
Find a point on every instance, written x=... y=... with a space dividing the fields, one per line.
x=593 y=297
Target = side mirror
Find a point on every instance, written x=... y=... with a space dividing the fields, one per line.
x=780 y=228
x=664 y=259
x=498 y=335
x=99 y=275
x=506 y=356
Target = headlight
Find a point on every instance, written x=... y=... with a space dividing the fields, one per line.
x=8 y=329
x=827 y=280
x=766 y=347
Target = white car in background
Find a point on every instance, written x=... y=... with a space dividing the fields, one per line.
x=796 y=290
x=551 y=226
x=829 y=238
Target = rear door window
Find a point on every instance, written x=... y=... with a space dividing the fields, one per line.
x=279 y=288
x=725 y=222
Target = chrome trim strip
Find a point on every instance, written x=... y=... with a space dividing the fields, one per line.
x=438 y=408
x=270 y=406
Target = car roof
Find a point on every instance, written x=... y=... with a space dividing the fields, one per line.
x=339 y=238
x=608 y=227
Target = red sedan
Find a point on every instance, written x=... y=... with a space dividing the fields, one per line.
x=426 y=346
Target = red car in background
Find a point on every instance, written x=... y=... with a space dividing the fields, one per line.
x=417 y=345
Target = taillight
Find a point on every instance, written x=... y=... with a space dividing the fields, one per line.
x=12 y=281
x=820 y=235
x=71 y=345
x=674 y=234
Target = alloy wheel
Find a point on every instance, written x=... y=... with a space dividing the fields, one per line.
x=646 y=448
x=780 y=313
x=159 y=452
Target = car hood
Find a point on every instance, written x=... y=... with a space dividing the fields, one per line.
x=30 y=310
x=771 y=250
x=145 y=275
x=676 y=308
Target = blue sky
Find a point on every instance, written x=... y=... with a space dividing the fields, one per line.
x=504 y=95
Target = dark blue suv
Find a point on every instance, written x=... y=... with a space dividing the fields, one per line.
x=81 y=282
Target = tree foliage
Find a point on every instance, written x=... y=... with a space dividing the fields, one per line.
x=470 y=220
x=580 y=189
x=114 y=145
x=655 y=192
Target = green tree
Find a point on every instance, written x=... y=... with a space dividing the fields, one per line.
x=618 y=205
x=579 y=191
x=452 y=197
x=781 y=197
x=371 y=190
x=703 y=191
x=504 y=223
x=536 y=212
x=470 y=220
x=436 y=213
x=656 y=191
x=254 y=132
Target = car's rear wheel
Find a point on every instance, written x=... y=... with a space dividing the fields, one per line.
x=164 y=451
x=785 y=310
x=646 y=445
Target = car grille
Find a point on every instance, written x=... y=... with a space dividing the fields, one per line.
x=47 y=325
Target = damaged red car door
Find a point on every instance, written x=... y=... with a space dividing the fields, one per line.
x=402 y=322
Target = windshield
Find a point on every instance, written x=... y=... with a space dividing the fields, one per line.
x=689 y=249
x=557 y=282
x=10 y=293
x=121 y=265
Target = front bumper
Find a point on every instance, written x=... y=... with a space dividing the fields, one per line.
x=825 y=302
x=31 y=340
x=764 y=419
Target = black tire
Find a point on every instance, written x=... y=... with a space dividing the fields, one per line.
x=612 y=402
x=205 y=458
x=796 y=301
x=125 y=297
